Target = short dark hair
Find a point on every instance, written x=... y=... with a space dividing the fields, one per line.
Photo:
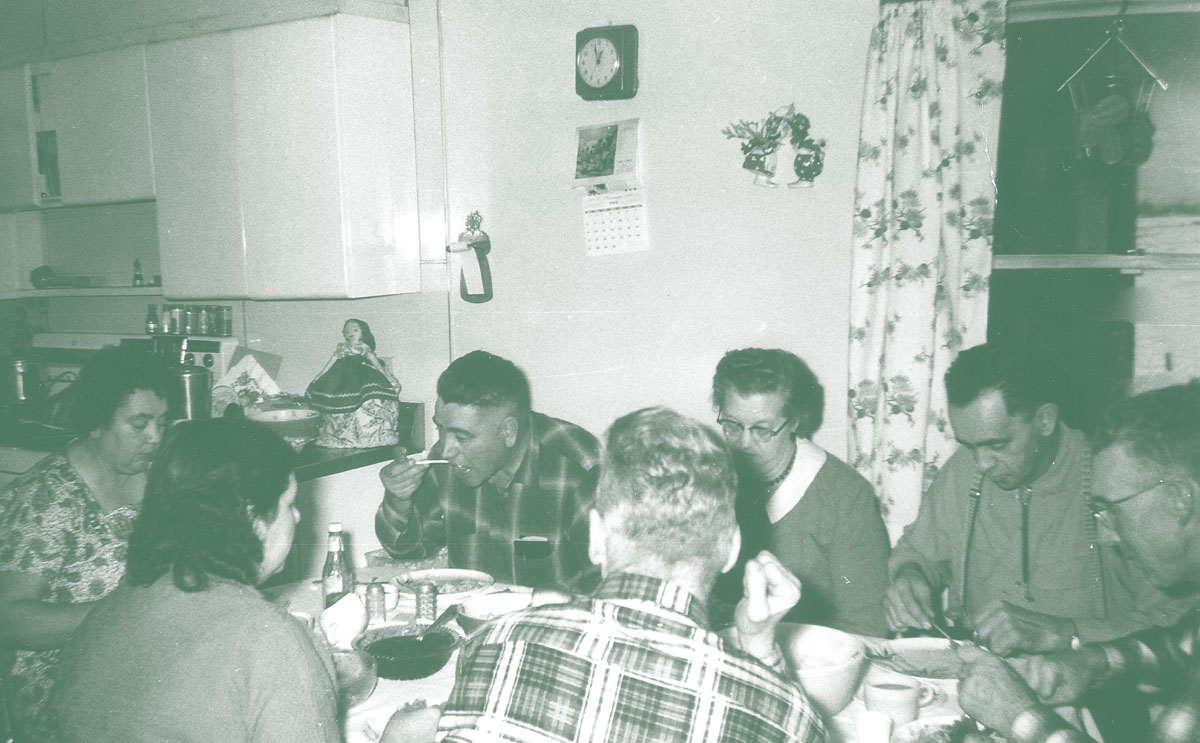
x=485 y=380
x=1161 y=425
x=367 y=336
x=1023 y=376
x=674 y=479
x=764 y=370
x=108 y=379
x=208 y=483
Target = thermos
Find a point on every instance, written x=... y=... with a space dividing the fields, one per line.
x=24 y=384
x=192 y=398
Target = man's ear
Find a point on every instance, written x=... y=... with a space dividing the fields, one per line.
x=509 y=428
x=1045 y=418
x=1183 y=500
x=735 y=550
x=597 y=538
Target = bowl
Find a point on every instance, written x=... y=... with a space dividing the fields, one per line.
x=356 y=674
x=296 y=424
x=828 y=663
x=400 y=652
x=479 y=610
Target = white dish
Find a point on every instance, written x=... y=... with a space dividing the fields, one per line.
x=453 y=584
x=931 y=657
x=281 y=415
x=827 y=662
x=934 y=729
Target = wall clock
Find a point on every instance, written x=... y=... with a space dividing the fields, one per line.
x=606 y=63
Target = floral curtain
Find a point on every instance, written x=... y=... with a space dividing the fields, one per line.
x=922 y=234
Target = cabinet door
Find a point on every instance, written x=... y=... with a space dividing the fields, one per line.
x=103 y=131
x=287 y=159
x=191 y=84
x=16 y=161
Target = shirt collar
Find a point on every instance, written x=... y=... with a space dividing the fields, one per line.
x=668 y=595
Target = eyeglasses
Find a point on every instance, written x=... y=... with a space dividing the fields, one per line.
x=734 y=430
x=1100 y=506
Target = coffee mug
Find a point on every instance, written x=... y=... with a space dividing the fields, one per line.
x=899 y=697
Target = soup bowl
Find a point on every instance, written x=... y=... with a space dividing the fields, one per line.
x=828 y=663
x=401 y=652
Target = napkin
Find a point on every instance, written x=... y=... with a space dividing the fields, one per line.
x=344 y=621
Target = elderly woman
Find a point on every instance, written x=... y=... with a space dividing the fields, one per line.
x=63 y=524
x=186 y=649
x=815 y=513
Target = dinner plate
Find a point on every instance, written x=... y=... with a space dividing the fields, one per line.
x=934 y=729
x=453 y=584
x=931 y=657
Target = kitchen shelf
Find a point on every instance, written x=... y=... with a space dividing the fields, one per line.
x=94 y=291
x=1097 y=261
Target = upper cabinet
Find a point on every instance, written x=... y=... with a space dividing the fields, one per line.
x=91 y=128
x=16 y=162
x=75 y=131
x=285 y=160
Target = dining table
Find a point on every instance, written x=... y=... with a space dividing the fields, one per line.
x=365 y=721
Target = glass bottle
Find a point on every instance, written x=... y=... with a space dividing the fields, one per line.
x=337 y=576
x=138 y=278
x=153 y=326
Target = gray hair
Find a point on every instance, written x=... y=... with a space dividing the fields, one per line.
x=672 y=482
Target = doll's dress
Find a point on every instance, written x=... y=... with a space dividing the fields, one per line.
x=350 y=382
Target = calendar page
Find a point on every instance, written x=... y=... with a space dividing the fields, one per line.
x=615 y=222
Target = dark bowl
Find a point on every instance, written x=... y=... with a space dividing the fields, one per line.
x=401 y=653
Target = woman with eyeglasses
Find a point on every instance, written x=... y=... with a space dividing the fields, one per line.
x=813 y=511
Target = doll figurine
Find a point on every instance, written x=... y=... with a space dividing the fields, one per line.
x=355 y=393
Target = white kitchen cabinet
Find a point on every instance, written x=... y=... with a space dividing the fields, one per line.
x=16 y=159
x=200 y=243
x=96 y=106
x=285 y=161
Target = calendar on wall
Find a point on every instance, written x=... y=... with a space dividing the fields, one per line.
x=615 y=222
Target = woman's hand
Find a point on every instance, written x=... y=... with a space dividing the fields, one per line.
x=27 y=621
x=412 y=723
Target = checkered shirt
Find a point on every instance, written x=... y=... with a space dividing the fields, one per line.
x=545 y=493
x=1165 y=658
x=632 y=663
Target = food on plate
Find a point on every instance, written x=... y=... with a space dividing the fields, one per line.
x=944 y=730
x=460 y=585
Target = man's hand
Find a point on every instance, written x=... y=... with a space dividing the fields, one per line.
x=1063 y=678
x=990 y=690
x=909 y=600
x=769 y=590
x=401 y=479
x=1007 y=629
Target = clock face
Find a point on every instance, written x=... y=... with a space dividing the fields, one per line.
x=598 y=62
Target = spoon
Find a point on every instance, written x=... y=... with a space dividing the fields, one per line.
x=450 y=613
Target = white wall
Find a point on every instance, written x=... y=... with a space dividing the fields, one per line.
x=730 y=265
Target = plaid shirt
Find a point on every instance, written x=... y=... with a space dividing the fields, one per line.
x=632 y=663
x=545 y=493
x=1165 y=658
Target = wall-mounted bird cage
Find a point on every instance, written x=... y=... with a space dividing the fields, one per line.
x=1111 y=94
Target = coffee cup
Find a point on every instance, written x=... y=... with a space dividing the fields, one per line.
x=899 y=697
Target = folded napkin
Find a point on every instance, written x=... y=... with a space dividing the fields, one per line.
x=344 y=621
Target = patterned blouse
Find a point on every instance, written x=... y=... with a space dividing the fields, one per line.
x=51 y=525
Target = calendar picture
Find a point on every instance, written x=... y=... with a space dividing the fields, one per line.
x=597 y=150
x=606 y=155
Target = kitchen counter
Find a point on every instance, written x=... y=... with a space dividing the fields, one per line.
x=313 y=462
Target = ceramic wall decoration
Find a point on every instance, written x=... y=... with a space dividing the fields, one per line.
x=778 y=148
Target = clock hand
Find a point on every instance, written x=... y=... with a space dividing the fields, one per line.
x=598 y=52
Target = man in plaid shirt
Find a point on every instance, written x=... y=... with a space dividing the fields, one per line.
x=1147 y=482
x=514 y=497
x=636 y=661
